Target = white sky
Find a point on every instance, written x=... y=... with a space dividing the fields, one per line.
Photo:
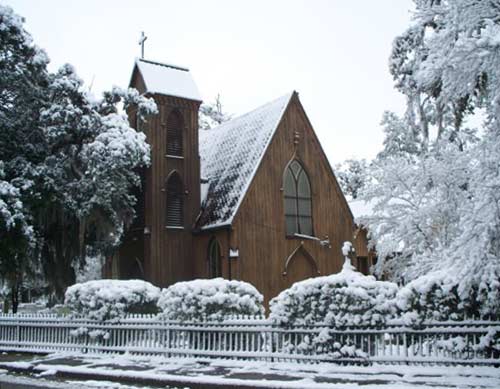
x=334 y=53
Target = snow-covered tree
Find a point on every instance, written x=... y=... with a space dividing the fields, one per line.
x=88 y=172
x=16 y=239
x=400 y=140
x=415 y=204
x=475 y=254
x=212 y=114
x=71 y=160
x=439 y=209
x=351 y=175
x=91 y=268
x=446 y=63
x=23 y=81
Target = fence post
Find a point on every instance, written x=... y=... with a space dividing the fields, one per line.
x=405 y=345
x=86 y=339
x=18 y=334
x=168 y=339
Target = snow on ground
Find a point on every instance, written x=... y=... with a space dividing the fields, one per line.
x=156 y=371
x=18 y=381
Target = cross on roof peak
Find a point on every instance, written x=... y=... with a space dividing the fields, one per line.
x=142 y=39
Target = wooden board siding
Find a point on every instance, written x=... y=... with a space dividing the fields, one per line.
x=259 y=227
x=365 y=257
x=168 y=252
x=267 y=258
x=200 y=253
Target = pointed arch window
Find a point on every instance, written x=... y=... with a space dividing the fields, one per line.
x=214 y=259
x=175 y=201
x=174 y=134
x=298 y=201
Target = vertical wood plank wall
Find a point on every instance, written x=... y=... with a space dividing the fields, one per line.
x=258 y=229
x=259 y=226
x=168 y=252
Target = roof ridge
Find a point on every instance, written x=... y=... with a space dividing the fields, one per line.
x=177 y=67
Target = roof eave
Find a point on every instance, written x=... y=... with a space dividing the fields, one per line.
x=152 y=92
x=218 y=226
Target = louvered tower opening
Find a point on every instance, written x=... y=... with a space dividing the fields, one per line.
x=174 y=134
x=175 y=201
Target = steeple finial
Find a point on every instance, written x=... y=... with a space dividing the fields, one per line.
x=142 y=39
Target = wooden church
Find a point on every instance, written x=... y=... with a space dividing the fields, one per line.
x=254 y=199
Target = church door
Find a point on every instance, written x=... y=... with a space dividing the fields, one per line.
x=300 y=267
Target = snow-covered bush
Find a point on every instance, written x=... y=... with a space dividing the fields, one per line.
x=212 y=299
x=112 y=299
x=489 y=344
x=327 y=341
x=341 y=300
x=430 y=297
x=348 y=298
x=442 y=296
x=486 y=292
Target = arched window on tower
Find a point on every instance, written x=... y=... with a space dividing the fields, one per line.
x=214 y=259
x=298 y=203
x=174 y=134
x=175 y=201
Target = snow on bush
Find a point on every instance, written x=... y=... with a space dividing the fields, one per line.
x=213 y=299
x=111 y=299
x=430 y=297
x=489 y=344
x=339 y=300
x=441 y=296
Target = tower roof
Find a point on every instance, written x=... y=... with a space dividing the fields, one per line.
x=167 y=79
x=230 y=156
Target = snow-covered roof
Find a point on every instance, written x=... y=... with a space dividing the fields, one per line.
x=230 y=155
x=168 y=79
x=361 y=208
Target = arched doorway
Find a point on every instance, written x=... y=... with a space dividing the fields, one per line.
x=214 y=259
x=299 y=266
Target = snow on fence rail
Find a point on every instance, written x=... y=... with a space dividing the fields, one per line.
x=437 y=342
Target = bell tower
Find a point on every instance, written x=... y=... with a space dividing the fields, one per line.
x=159 y=247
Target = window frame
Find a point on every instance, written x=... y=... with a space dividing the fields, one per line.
x=298 y=199
x=214 y=244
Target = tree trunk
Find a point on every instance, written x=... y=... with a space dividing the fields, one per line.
x=6 y=305
x=61 y=246
x=14 y=291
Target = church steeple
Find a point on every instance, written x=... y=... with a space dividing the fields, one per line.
x=172 y=182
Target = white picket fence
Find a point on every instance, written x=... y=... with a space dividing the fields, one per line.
x=255 y=339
